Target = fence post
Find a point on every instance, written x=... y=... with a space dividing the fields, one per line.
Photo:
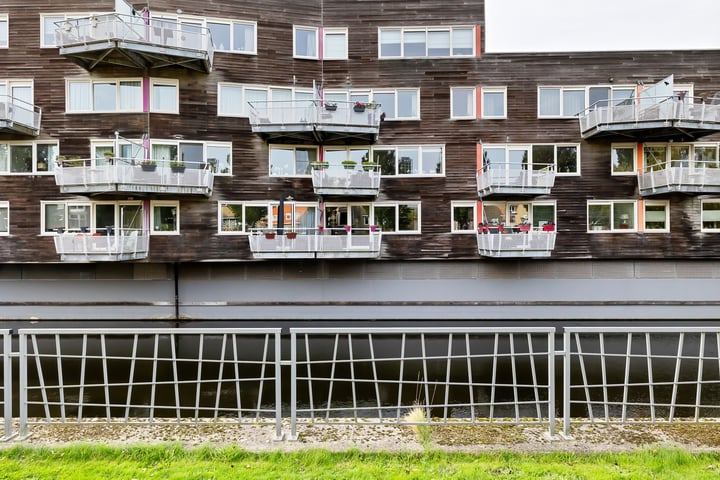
x=566 y=383
x=278 y=387
x=293 y=386
x=7 y=383
x=551 y=381
x=22 y=383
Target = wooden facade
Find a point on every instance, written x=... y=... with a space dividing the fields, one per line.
x=274 y=65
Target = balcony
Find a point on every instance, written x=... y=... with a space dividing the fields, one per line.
x=128 y=244
x=325 y=243
x=133 y=41
x=18 y=117
x=534 y=243
x=351 y=180
x=515 y=179
x=302 y=121
x=651 y=118
x=86 y=176
x=680 y=176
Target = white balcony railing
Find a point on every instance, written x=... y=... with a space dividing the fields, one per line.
x=350 y=180
x=532 y=243
x=680 y=176
x=153 y=40
x=126 y=244
x=649 y=112
x=513 y=178
x=133 y=175
x=17 y=116
x=316 y=243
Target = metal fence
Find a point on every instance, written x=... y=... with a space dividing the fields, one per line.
x=364 y=376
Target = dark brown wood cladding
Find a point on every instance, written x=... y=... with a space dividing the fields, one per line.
x=274 y=65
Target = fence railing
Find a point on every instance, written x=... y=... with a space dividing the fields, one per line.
x=360 y=376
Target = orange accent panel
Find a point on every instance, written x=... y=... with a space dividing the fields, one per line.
x=478 y=41
x=480 y=212
x=478 y=102
x=478 y=156
x=639 y=155
x=641 y=216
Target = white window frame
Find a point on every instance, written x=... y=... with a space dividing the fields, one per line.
x=615 y=146
x=470 y=116
x=4 y=218
x=92 y=82
x=612 y=228
x=397 y=205
x=334 y=32
x=216 y=171
x=5 y=41
x=655 y=203
x=395 y=92
x=702 y=219
x=472 y=228
x=165 y=82
x=164 y=203
x=35 y=157
x=231 y=24
x=297 y=28
x=493 y=90
x=529 y=147
x=294 y=149
x=420 y=149
x=426 y=30
x=224 y=110
x=43 y=33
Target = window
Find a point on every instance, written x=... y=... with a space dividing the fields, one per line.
x=463 y=218
x=710 y=215
x=399 y=104
x=246 y=217
x=28 y=158
x=462 y=103
x=564 y=158
x=334 y=156
x=233 y=98
x=705 y=156
x=4 y=39
x=91 y=217
x=513 y=214
x=305 y=42
x=219 y=156
x=164 y=96
x=335 y=44
x=107 y=95
x=4 y=218
x=291 y=160
x=47 y=30
x=560 y=101
x=623 y=159
x=233 y=36
x=414 y=42
x=611 y=216
x=494 y=102
x=657 y=216
x=397 y=218
x=419 y=160
x=164 y=218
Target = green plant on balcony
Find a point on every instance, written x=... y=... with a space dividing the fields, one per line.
x=177 y=166
x=148 y=165
x=349 y=164
x=368 y=166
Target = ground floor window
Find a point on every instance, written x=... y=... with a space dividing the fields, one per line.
x=612 y=216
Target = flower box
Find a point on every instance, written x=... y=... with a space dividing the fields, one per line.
x=291 y=235
x=148 y=167
x=331 y=107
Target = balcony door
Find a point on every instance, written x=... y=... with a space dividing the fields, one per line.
x=357 y=216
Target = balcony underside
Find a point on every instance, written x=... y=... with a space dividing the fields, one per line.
x=82 y=247
x=315 y=246
x=679 y=130
x=681 y=180
x=15 y=128
x=490 y=190
x=315 y=133
x=136 y=55
x=505 y=245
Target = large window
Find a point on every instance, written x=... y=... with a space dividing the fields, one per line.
x=107 y=95
x=246 y=217
x=30 y=157
x=612 y=216
x=568 y=101
x=463 y=217
x=414 y=42
x=164 y=96
x=91 y=217
x=335 y=44
x=659 y=156
x=233 y=36
x=657 y=216
x=564 y=158
x=47 y=29
x=512 y=215
x=397 y=217
x=400 y=104
x=4 y=218
x=288 y=160
x=416 y=160
x=4 y=39
x=233 y=98
x=710 y=215
x=462 y=103
x=305 y=42
x=494 y=102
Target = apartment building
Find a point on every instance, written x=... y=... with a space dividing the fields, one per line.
x=244 y=162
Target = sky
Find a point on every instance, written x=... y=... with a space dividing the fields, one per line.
x=516 y=26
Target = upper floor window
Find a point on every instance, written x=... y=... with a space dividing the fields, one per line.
x=233 y=36
x=397 y=217
x=462 y=103
x=494 y=102
x=47 y=29
x=659 y=156
x=246 y=217
x=28 y=157
x=565 y=159
x=120 y=95
x=92 y=217
x=415 y=160
x=612 y=216
x=305 y=42
x=4 y=39
x=164 y=217
x=413 y=42
x=657 y=215
x=288 y=160
x=400 y=104
x=233 y=98
x=164 y=95
x=4 y=218
x=568 y=101
x=623 y=159
x=335 y=44
x=512 y=215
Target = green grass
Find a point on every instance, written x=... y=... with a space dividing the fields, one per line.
x=172 y=461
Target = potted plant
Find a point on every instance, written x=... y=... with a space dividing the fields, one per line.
x=359 y=106
x=177 y=166
x=331 y=106
x=349 y=164
x=148 y=165
x=348 y=228
x=368 y=166
x=318 y=165
x=269 y=234
x=291 y=235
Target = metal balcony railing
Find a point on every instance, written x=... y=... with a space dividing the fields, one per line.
x=651 y=117
x=315 y=120
x=116 y=245
x=134 y=41
x=689 y=176
x=316 y=243
x=346 y=180
x=133 y=175
x=18 y=116
x=516 y=241
x=514 y=178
